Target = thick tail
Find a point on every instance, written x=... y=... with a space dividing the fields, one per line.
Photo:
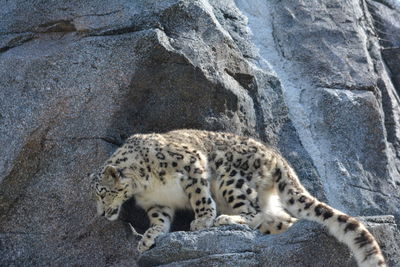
x=301 y=204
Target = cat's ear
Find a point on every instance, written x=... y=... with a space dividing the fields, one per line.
x=111 y=175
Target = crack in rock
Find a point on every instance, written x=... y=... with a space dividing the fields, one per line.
x=56 y=26
x=109 y=140
x=17 y=41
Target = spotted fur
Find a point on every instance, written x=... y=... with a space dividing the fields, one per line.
x=238 y=178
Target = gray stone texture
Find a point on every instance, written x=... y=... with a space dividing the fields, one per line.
x=318 y=79
x=299 y=246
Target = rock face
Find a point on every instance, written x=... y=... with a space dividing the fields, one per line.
x=317 y=79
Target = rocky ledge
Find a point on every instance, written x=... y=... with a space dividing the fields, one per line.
x=304 y=244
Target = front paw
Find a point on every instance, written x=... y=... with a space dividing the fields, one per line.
x=201 y=223
x=145 y=244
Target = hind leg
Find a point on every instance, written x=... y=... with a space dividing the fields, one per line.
x=241 y=199
x=275 y=223
x=254 y=204
x=275 y=218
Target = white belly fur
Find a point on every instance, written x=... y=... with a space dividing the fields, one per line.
x=171 y=194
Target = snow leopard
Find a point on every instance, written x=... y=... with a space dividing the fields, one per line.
x=225 y=179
